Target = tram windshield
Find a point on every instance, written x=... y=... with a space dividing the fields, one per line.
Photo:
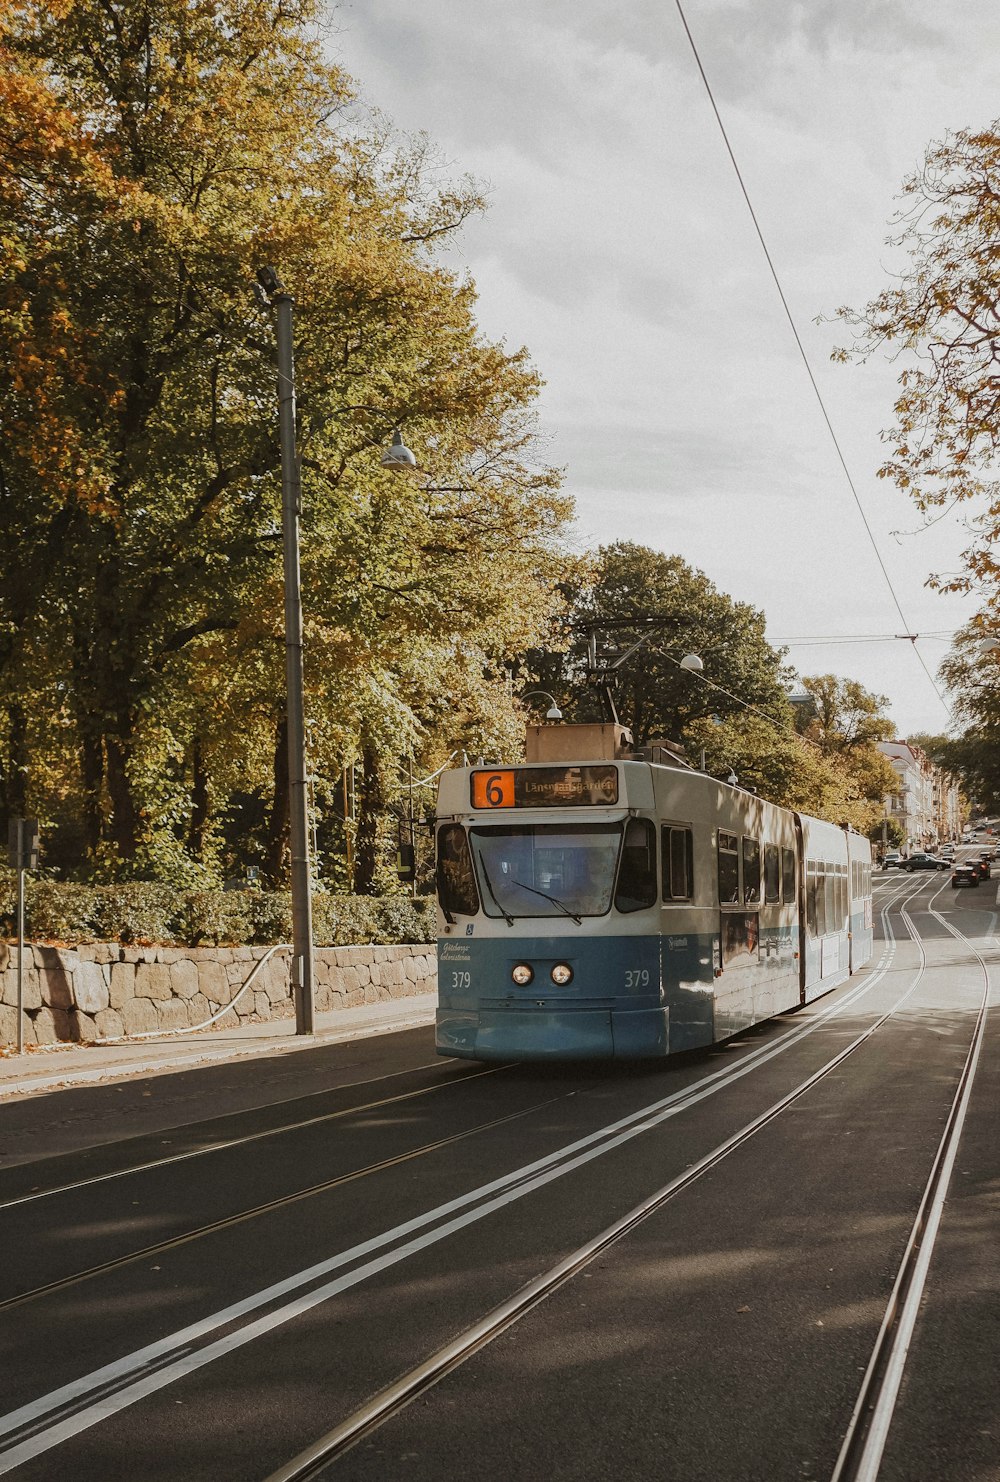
x=547 y=869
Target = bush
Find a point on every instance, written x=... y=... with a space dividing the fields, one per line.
x=216 y=917
x=60 y=911
x=145 y=912
x=140 y=912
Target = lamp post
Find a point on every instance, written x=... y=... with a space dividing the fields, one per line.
x=272 y=294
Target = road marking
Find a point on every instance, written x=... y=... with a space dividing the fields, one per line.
x=88 y=1396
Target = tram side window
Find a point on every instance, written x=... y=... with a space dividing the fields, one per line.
x=788 y=876
x=637 y=875
x=815 y=899
x=751 y=872
x=677 y=849
x=772 y=873
x=830 y=892
x=456 y=879
x=729 y=870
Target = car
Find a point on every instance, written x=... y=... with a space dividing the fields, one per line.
x=964 y=874
x=923 y=861
x=947 y=851
x=892 y=859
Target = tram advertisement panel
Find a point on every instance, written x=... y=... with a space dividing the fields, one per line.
x=545 y=787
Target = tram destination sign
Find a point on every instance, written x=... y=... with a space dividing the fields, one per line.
x=545 y=787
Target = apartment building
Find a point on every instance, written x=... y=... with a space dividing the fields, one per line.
x=927 y=803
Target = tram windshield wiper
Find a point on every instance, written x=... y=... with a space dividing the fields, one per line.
x=489 y=886
x=554 y=899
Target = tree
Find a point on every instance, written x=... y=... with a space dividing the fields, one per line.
x=842 y=716
x=845 y=722
x=661 y=608
x=943 y=315
x=189 y=144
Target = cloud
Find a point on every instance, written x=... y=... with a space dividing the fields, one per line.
x=619 y=249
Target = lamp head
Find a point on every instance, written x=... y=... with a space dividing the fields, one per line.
x=269 y=280
x=398 y=456
x=692 y=663
x=553 y=712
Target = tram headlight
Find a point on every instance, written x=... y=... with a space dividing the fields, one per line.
x=562 y=974
x=522 y=974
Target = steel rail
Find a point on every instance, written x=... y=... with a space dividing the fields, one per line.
x=234 y=1142
x=283 y=1201
x=396 y=1396
x=864 y=1442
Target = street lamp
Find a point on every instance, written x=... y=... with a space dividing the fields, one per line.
x=553 y=713
x=271 y=294
x=398 y=456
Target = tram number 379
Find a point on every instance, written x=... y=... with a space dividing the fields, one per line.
x=637 y=977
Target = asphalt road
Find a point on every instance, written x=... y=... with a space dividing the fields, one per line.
x=269 y=1248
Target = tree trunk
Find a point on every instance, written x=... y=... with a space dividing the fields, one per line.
x=375 y=842
x=92 y=774
x=199 y=801
x=277 y=852
x=125 y=822
x=15 y=786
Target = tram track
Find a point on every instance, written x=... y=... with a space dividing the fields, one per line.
x=868 y=1431
x=64 y=1412
x=270 y=1206
x=368 y=1418
x=226 y=1144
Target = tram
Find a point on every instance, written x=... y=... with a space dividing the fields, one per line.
x=596 y=902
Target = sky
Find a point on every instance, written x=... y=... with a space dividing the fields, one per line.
x=619 y=249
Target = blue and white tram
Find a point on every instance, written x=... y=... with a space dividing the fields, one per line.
x=628 y=909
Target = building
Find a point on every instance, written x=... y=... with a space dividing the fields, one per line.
x=927 y=802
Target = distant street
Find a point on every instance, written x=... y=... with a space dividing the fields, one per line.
x=205 y=1274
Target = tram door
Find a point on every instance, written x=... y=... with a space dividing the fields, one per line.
x=800 y=904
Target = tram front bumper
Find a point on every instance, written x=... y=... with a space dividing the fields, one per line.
x=546 y=1034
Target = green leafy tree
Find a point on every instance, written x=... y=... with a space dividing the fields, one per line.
x=661 y=608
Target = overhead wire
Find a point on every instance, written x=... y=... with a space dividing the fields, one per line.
x=805 y=357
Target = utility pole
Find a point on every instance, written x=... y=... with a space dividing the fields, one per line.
x=272 y=295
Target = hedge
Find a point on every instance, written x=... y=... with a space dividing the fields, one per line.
x=66 y=912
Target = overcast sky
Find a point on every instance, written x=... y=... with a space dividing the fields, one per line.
x=619 y=249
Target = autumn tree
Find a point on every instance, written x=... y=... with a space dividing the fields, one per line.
x=941 y=317
x=182 y=146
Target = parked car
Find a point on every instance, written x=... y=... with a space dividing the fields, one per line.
x=892 y=859
x=965 y=874
x=923 y=861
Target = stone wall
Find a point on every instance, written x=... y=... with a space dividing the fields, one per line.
x=105 y=991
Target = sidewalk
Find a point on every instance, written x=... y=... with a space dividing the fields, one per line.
x=58 y=1066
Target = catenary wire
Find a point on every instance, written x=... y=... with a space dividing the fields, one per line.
x=805 y=359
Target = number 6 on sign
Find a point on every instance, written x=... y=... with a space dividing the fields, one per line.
x=493 y=789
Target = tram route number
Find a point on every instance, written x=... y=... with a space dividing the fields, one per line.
x=637 y=977
x=461 y=980
x=493 y=789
